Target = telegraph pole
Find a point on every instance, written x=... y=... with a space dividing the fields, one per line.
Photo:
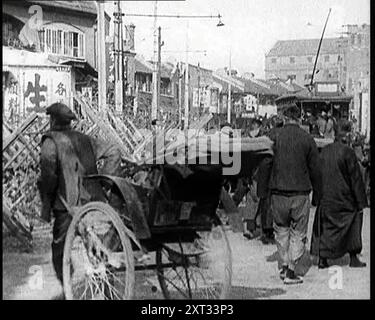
x=317 y=54
x=124 y=66
x=179 y=94
x=230 y=88
x=102 y=88
x=186 y=121
x=199 y=89
x=154 y=106
x=160 y=44
x=119 y=60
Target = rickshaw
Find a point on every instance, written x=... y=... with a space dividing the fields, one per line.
x=163 y=218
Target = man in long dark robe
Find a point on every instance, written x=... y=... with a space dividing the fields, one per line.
x=338 y=219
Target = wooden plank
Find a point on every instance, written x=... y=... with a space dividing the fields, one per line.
x=14 y=157
x=123 y=135
x=14 y=204
x=123 y=128
x=105 y=127
x=23 y=127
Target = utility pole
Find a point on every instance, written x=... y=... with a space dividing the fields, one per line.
x=186 y=118
x=317 y=54
x=124 y=66
x=199 y=89
x=154 y=106
x=102 y=89
x=180 y=94
x=160 y=44
x=119 y=59
x=230 y=88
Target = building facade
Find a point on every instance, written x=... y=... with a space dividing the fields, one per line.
x=51 y=51
x=345 y=60
x=294 y=59
x=358 y=74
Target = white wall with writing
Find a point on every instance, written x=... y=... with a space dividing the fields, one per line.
x=36 y=88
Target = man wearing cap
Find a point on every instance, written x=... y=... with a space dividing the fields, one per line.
x=66 y=157
x=338 y=219
x=295 y=172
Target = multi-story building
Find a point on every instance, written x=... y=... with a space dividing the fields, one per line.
x=345 y=60
x=50 y=48
x=358 y=73
x=294 y=59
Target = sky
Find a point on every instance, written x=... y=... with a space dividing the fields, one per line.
x=251 y=27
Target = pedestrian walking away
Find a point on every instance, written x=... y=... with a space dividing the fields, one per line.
x=295 y=173
x=337 y=226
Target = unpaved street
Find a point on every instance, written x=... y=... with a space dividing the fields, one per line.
x=255 y=274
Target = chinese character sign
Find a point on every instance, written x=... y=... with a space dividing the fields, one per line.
x=61 y=90
x=250 y=102
x=41 y=86
x=36 y=94
x=11 y=102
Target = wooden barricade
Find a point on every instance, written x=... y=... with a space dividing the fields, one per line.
x=20 y=171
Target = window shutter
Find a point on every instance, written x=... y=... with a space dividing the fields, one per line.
x=59 y=42
x=81 y=45
x=49 y=41
x=71 y=43
x=54 y=42
x=66 y=43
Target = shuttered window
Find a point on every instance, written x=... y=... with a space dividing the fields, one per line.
x=80 y=45
x=60 y=42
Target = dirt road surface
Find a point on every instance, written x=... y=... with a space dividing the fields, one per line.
x=255 y=273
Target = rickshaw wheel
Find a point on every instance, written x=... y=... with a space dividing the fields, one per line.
x=196 y=270
x=98 y=262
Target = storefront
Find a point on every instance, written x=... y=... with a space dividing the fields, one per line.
x=35 y=83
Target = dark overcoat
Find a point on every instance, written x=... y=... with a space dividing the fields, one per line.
x=338 y=218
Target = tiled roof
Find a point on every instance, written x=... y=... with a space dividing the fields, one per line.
x=143 y=66
x=279 y=87
x=223 y=82
x=305 y=47
x=81 y=6
x=297 y=88
x=256 y=87
x=191 y=66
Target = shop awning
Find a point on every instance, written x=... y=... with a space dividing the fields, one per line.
x=83 y=66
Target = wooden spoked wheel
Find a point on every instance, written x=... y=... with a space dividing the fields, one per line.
x=201 y=269
x=98 y=262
